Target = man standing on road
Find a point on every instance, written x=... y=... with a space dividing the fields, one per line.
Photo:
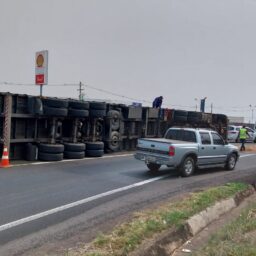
x=157 y=103
x=242 y=136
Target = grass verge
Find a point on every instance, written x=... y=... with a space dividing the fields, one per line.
x=238 y=238
x=128 y=236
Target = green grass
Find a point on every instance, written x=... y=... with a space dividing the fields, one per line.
x=235 y=238
x=128 y=236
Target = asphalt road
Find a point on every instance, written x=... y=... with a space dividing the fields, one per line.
x=57 y=201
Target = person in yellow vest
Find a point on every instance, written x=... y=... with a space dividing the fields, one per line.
x=243 y=133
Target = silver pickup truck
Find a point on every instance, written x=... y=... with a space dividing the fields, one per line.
x=186 y=149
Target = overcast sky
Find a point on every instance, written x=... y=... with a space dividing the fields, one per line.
x=181 y=49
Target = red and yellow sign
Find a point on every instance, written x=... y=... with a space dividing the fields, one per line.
x=41 y=71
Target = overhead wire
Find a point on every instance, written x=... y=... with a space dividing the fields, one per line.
x=228 y=109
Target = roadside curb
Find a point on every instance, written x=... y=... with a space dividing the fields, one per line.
x=167 y=242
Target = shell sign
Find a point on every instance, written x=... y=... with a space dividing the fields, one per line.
x=41 y=72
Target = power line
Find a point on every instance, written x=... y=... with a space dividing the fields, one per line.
x=116 y=94
x=234 y=109
x=22 y=84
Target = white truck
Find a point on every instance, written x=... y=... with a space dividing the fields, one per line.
x=186 y=149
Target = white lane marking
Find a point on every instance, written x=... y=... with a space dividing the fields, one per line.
x=71 y=160
x=77 y=203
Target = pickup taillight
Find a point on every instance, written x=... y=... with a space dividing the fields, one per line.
x=171 y=151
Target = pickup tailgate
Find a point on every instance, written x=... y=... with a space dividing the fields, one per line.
x=162 y=151
x=155 y=151
x=155 y=146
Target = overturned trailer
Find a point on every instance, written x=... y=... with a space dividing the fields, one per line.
x=51 y=129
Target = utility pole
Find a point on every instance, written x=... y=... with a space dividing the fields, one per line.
x=211 y=108
x=81 y=95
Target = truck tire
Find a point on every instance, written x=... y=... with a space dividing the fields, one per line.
x=55 y=103
x=51 y=148
x=187 y=167
x=97 y=112
x=74 y=154
x=78 y=112
x=114 y=142
x=95 y=153
x=231 y=162
x=154 y=168
x=113 y=114
x=74 y=147
x=113 y=120
x=53 y=111
x=98 y=105
x=98 y=145
x=50 y=157
x=79 y=104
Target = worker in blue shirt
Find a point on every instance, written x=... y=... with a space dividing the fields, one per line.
x=157 y=103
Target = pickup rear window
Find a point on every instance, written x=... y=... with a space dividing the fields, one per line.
x=181 y=135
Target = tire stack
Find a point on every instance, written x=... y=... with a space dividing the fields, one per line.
x=74 y=150
x=113 y=122
x=78 y=109
x=50 y=152
x=94 y=149
x=55 y=107
x=98 y=109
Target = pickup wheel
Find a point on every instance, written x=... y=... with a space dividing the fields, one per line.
x=153 y=167
x=231 y=162
x=187 y=168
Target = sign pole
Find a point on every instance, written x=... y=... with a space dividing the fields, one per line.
x=41 y=90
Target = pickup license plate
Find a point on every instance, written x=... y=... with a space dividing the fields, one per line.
x=151 y=159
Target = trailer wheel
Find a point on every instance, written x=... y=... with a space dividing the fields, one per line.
x=153 y=167
x=51 y=148
x=113 y=120
x=74 y=147
x=231 y=162
x=98 y=145
x=74 y=154
x=50 y=157
x=113 y=114
x=187 y=167
x=95 y=153
x=114 y=143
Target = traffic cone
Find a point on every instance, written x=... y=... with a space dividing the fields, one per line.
x=5 y=158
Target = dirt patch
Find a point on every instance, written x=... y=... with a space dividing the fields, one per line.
x=249 y=147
